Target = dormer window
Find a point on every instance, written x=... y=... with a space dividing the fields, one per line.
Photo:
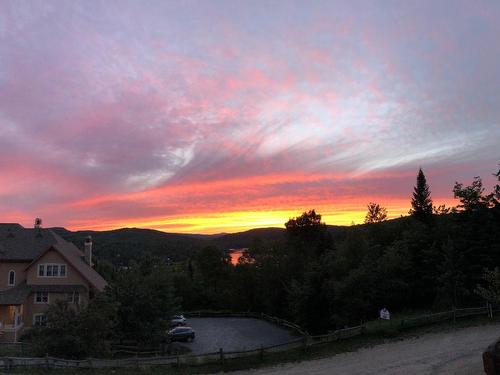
x=12 y=278
x=51 y=270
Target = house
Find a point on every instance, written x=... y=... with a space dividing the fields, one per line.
x=38 y=267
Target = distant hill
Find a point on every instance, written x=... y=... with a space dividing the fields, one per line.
x=122 y=245
x=245 y=239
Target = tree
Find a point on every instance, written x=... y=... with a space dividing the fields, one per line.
x=307 y=234
x=145 y=294
x=77 y=331
x=491 y=291
x=213 y=265
x=451 y=279
x=471 y=197
x=305 y=225
x=441 y=210
x=375 y=213
x=421 y=202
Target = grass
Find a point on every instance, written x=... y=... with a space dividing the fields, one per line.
x=378 y=332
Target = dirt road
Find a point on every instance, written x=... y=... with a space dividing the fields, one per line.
x=457 y=352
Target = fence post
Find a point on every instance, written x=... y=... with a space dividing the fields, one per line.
x=306 y=342
x=47 y=364
x=262 y=353
x=363 y=329
x=454 y=315
x=221 y=356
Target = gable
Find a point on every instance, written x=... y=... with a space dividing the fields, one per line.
x=52 y=256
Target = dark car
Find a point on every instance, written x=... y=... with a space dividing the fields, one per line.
x=181 y=334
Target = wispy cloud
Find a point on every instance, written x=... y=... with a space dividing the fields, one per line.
x=124 y=112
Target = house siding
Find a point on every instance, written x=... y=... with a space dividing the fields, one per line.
x=72 y=277
x=5 y=267
x=32 y=308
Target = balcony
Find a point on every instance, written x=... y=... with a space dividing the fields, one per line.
x=11 y=327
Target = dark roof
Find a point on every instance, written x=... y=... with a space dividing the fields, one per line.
x=70 y=252
x=15 y=296
x=21 y=244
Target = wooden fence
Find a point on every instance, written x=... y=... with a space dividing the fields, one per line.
x=304 y=342
x=451 y=315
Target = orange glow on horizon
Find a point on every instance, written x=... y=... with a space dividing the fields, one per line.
x=237 y=221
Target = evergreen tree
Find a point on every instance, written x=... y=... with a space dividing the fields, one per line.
x=421 y=202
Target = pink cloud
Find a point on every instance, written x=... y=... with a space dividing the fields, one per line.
x=115 y=111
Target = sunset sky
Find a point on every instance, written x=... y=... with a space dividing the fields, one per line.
x=220 y=116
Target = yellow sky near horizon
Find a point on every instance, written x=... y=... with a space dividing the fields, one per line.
x=238 y=221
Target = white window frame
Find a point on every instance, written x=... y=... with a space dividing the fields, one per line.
x=8 y=278
x=42 y=270
x=39 y=315
x=42 y=302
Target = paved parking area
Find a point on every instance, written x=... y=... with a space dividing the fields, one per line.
x=233 y=334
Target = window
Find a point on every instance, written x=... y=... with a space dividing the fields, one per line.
x=73 y=297
x=52 y=270
x=12 y=278
x=39 y=320
x=42 y=297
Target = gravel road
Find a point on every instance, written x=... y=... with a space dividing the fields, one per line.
x=233 y=334
x=457 y=352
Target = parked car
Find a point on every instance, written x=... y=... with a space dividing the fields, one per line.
x=181 y=334
x=177 y=320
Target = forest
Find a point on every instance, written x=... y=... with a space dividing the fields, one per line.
x=433 y=259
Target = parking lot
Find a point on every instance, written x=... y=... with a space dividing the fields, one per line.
x=233 y=334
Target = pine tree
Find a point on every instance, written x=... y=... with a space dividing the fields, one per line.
x=421 y=202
